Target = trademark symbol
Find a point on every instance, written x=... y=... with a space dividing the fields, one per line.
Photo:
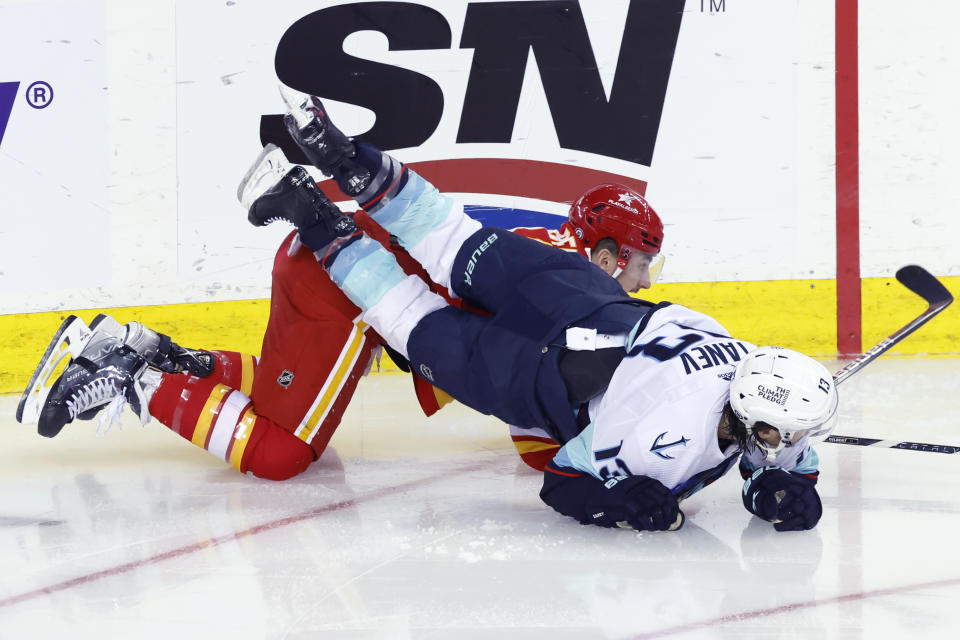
x=714 y=6
x=39 y=95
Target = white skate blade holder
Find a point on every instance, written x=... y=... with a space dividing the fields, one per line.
x=68 y=342
x=298 y=105
x=270 y=165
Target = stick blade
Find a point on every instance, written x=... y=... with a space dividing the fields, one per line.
x=924 y=284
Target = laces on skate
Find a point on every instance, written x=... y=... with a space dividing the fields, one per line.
x=91 y=396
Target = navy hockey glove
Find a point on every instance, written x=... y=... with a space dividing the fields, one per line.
x=639 y=502
x=636 y=502
x=787 y=499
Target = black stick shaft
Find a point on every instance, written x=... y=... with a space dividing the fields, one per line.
x=893 y=444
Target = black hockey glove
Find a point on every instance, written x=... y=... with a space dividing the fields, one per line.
x=636 y=502
x=641 y=502
x=787 y=499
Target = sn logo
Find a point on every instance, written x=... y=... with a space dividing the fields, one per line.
x=8 y=93
x=409 y=105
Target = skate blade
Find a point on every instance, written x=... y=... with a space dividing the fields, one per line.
x=266 y=171
x=298 y=105
x=69 y=341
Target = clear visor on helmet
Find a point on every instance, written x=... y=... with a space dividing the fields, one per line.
x=654 y=262
x=656 y=267
x=773 y=439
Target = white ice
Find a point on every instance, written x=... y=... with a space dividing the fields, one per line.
x=432 y=528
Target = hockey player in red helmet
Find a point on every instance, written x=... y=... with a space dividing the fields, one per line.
x=274 y=415
x=620 y=232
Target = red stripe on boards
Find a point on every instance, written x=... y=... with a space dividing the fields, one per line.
x=848 y=180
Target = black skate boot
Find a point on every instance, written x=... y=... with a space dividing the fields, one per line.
x=324 y=145
x=103 y=371
x=275 y=190
x=157 y=349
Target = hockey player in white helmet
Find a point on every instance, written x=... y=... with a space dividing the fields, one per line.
x=674 y=415
x=638 y=394
x=786 y=400
x=783 y=397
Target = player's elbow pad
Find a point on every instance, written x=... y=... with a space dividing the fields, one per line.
x=566 y=490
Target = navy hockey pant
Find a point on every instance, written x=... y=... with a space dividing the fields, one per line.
x=506 y=364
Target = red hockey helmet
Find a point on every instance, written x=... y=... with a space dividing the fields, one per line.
x=618 y=212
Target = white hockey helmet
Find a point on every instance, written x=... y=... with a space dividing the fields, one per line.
x=786 y=390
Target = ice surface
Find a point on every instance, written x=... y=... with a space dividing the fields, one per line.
x=417 y=528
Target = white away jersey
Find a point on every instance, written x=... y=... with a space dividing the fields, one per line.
x=659 y=415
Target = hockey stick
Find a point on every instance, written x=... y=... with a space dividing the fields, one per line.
x=924 y=284
x=893 y=444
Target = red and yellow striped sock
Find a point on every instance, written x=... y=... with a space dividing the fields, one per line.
x=215 y=413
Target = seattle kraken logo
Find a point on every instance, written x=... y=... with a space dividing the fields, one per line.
x=658 y=448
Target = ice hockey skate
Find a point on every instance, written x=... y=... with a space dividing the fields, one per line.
x=273 y=189
x=102 y=371
x=157 y=349
x=327 y=148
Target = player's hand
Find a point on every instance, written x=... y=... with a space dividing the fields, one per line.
x=636 y=502
x=788 y=500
